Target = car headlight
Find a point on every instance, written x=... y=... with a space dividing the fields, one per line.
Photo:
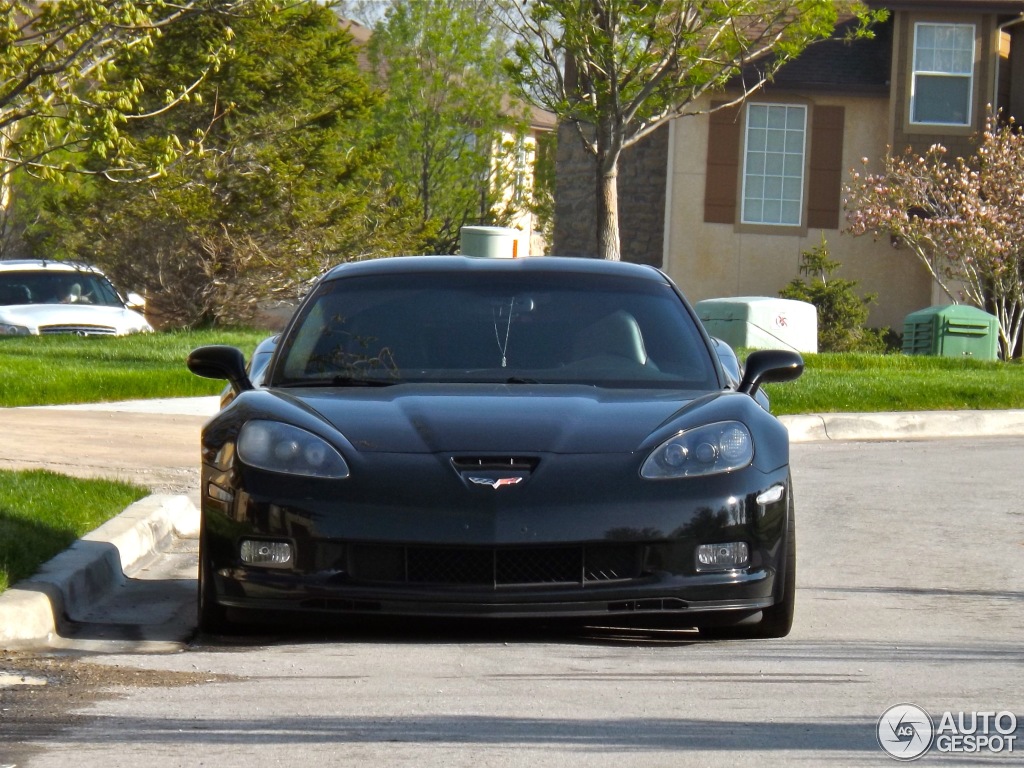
x=9 y=329
x=278 y=447
x=709 y=450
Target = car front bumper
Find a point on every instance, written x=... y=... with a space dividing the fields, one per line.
x=500 y=555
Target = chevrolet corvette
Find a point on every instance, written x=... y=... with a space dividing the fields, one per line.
x=498 y=438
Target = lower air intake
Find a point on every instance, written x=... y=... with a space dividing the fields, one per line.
x=495 y=567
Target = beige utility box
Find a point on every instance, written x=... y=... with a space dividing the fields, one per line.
x=761 y=322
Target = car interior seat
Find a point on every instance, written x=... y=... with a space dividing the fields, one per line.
x=613 y=336
x=15 y=294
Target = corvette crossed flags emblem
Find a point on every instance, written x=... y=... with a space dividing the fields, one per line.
x=500 y=482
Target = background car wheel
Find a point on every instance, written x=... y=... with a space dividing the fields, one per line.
x=776 y=621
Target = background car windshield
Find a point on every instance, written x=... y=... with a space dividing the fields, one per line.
x=543 y=327
x=57 y=287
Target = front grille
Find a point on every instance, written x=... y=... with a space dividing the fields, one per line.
x=495 y=567
x=79 y=330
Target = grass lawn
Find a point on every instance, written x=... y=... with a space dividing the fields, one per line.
x=51 y=370
x=869 y=383
x=42 y=513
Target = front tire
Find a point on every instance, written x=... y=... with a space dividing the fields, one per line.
x=212 y=616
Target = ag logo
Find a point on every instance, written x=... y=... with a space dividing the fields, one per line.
x=905 y=731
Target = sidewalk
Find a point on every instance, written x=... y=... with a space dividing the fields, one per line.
x=909 y=425
x=156 y=443
x=36 y=612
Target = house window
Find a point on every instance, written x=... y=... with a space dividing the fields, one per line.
x=727 y=166
x=943 y=74
x=773 y=166
x=522 y=180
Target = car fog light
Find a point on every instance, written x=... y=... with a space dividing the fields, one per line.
x=723 y=557
x=269 y=554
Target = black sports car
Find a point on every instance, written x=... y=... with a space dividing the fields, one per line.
x=507 y=438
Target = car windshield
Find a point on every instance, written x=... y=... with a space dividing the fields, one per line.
x=57 y=287
x=522 y=328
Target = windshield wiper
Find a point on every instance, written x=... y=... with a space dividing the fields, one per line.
x=343 y=381
x=359 y=381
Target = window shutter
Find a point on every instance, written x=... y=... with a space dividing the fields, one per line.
x=720 y=183
x=826 y=168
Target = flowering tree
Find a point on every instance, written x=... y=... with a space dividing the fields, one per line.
x=963 y=218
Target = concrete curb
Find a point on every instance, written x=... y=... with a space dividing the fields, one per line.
x=908 y=425
x=33 y=611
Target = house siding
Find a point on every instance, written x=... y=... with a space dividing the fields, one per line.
x=642 y=175
x=713 y=260
x=858 y=101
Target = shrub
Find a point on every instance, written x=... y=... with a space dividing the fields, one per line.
x=841 y=312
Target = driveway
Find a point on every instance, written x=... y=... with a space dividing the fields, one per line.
x=154 y=443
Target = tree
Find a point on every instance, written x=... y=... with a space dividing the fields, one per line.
x=617 y=70
x=963 y=219
x=447 y=110
x=283 y=184
x=62 y=107
x=59 y=89
x=542 y=195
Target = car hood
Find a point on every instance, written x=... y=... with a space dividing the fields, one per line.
x=496 y=419
x=36 y=316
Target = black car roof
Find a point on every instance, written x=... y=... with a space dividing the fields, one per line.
x=550 y=264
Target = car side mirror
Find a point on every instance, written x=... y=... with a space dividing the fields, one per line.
x=769 y=366
x=220 y=362
x=135 y=301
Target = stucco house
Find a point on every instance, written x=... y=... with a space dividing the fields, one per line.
x=726 y=202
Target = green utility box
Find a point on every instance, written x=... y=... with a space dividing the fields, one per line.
x=957 y=330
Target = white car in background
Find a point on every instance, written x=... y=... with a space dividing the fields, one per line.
x=45 y=297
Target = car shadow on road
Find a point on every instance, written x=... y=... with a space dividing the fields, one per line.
x=312 y=630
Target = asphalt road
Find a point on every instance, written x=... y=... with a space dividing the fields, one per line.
x=910 y=590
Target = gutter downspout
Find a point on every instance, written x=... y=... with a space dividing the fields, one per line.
x=666 y=237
